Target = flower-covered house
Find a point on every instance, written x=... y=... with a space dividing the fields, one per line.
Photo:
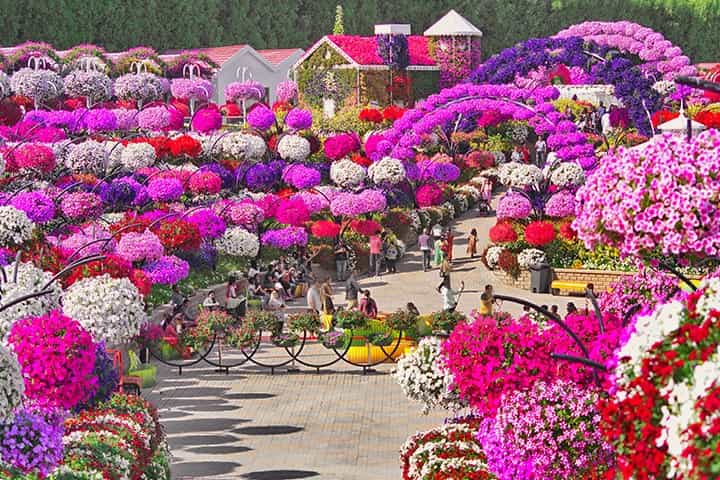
x=391 y=67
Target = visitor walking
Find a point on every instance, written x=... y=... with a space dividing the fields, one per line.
x=424 y=242
x=540 y=151
x=375 y=255
x=352 y=291
x=445 y=269
x=438 y=254
x=341 y=258
x=391 y=256
x=368 y=305
x=472 y=243
x=314 y=299
x=326 y=293
x=449 y=296
x=449 y=239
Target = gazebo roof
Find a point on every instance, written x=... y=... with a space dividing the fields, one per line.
x=453 y=25
x=679 y=125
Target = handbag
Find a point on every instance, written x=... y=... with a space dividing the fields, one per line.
x=233 y=303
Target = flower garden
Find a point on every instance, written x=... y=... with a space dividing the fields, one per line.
x=120 y=179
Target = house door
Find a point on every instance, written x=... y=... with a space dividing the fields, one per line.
x=328 y=107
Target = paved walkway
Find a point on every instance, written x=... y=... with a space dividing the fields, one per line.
x=336 y=425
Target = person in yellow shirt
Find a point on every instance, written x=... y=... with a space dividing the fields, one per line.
x=486 y=304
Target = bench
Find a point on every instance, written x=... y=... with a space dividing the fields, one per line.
x=129 y=384
x=561 y=285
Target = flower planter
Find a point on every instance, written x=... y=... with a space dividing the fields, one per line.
x=406 y=345
x=168 y=352
x=359 y=354
x=147 y=373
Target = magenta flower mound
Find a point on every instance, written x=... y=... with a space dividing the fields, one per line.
x=205 y=183
x=165 y=189
x=659 y=198
x=429 y=195
x=167 y=270
x=285 y=238
x=57 y=357
x=313 y=201
x=261 y=117
x=32 y=441
x=33 y=156
x=514 y=206
x=298 y=119
x=209 y=223
x=140 y=247
x=99 y=120
x=644 y=289
x=301 y=177
x=245 y=214
x=81 y=205
x=248 y=90
x=206 y=120
x=341 y=145
x=549 y=431
x=292 y=212
x=483 y=373
x=444 y=171
x=37 y=205
x=561 y=204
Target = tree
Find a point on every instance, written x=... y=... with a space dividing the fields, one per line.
x=338 y=28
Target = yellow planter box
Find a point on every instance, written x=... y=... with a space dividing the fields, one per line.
x=359 y=354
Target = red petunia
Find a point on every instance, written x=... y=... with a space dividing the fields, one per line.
x=184 y=146
x=393 y=113
x=372 y=115
x=502 y=232
x=539 y=234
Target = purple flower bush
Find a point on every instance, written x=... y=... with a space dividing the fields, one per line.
x=32 y=441
x=298 y=119
x=139 y=247
x=286 y=91
x=301 y=177
x=191 y=89
x=560 y=205
x=261 y=117
x=208 y=222
x=167 y=270
x=285 y=238
x=165 y=189
x=37 y=205
x=99 y=120
x=248 y=90
x=513 y=206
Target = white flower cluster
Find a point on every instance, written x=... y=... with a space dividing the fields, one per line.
x=492 y=256
x=12 y=385
x=293 y=148
x=75 y=445
x=518 y=133
x=113 y=154
x=664 y=87
x=4 y=85
x=462 y=202
x=87 y=157
x=424 y=378
x=15 y=226
x=471 y=190
x=530 y=256
x=238 y=242
x=40 y=85
x=450 y=208
x=111 y=309
x=90 y=84
x=388 y=171
x=346 y=173
x=505 y=170
x=567 y=174
x=525 y=176
x=137 y=155
x=30 y=279
x=239 y=146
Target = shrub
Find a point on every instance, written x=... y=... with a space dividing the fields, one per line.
x=502 y=232
x=539 y=234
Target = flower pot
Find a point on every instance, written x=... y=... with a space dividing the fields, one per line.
x=406 y=345
x=168 y=352
x=147 y=373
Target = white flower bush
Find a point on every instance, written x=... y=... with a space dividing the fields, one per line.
x=87 y=157
x=346 y=173
x=471 y=190
x=530 y=256
x=505 y=170
x=90 y=84
x=111 y=309
x=238 y=242
x=567 y=174
x=388 y=171
x=40 y=85
x=450 y=208
x=15 y=226
x=30 y=279
x=492 y=256
x=424 y=378
x=293 y=148
x=237 y=145
x=526 y=176
x=113 y=154
x=137 y=155
x=12 y=385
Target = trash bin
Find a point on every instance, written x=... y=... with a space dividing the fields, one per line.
x=540 y=278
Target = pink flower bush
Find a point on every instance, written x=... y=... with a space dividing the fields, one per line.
x=165 y=189
x=81 y=205
x=32 y=156
x=167 y=270
x=57 y=357
x=489 y=359
x=292 y=212
x=205 y=183
x=209 y=224
x=659 y=198
x=245 y=214
x=248 y=90
x=550 y=431
x=140 y=247
x=341 y=145
x=207 y=119
x=286 y=91
x=513 y=206
x=560 y=205
x=429 y=195
x=191 y=89
x=644 y=289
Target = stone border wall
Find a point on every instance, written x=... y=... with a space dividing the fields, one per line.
x=601 y=279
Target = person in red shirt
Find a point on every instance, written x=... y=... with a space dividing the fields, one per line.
x=448 y=245
x=375 y=255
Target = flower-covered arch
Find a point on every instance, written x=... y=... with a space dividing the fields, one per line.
x=599 y=63
x=660 y=58
x=497 y=101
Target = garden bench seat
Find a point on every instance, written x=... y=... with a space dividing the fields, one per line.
x=561 y=285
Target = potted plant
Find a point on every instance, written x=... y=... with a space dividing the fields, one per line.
x=287 y=340
x=445 y=322
x=351 y=319
x=244 y=336
x=380 y=339
x=332 y=339
x=304 y=322
x=145 y=371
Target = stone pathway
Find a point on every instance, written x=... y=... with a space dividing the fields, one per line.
x=335 y=425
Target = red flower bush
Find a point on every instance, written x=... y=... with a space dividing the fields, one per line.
x=372 y=115
x=392 y=113
x=184 y=146
x=57 y=358
x=366 y=227
x=361 y=159
x=178 y=235
x=566 y=232
x=325 y=229
x=113 y=265
x=141 y=281
x=502 y=232
x=479 y=159
x=539 y=234
x=662 y=116
x=32 y=156
x=708 y=118
x=508 y=262
x=205 y=183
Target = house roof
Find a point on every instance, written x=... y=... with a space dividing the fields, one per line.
x=278 y=55
x=451 y=25
x=363 y=50
x=222 y=54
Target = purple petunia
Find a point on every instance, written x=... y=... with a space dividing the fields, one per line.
x=165 y=189
x=261 y=117
x=298 y=119
x=167 y=270
x=37 y=205
x=32 y=441
x=286 y=238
